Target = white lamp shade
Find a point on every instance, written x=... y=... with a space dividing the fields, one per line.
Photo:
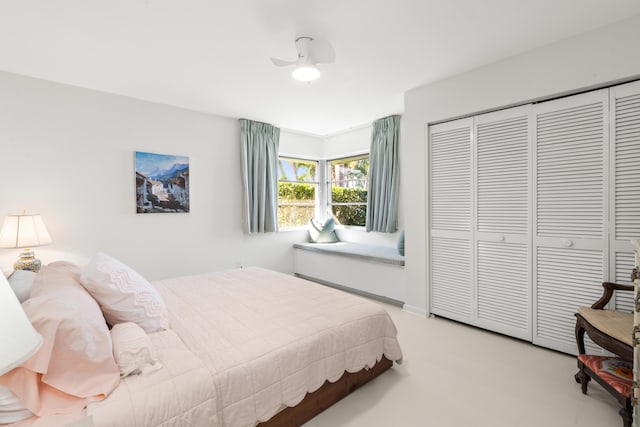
x=23 y=231
x=305 y=73
x=19 y=339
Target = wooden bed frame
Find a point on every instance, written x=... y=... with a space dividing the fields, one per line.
x=325 y=396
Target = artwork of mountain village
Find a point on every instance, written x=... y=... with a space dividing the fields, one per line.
x=162 y=183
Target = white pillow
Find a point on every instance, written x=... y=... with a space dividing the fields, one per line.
x=123 y=294
x=21 y=282
x=132 y=349
x=11 y=409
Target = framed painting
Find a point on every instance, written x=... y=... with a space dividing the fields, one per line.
x=162 y=183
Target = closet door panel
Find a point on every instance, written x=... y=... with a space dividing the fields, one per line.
x=566 y=279
x=504 y=290
x=570 y=169
x=451 y=209
x=451 y=176
x=502 y=144
x=570 y=214
x=625 y=185
x=451 y=291
x=502 y=222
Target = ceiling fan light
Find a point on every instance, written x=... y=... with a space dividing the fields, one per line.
x=305 y=73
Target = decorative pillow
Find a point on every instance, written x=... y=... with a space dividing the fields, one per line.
x=75 y=363
x=123 y=294
x=322 y=233
x=21 y=282
x=401 y=243
x=132 y=349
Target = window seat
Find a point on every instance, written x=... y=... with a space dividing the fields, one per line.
x=364 y=251
x=365 y=269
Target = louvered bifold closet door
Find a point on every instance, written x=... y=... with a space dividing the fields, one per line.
x=503 y=237
x=450 y=268
x=570 y=215
x=625 y=185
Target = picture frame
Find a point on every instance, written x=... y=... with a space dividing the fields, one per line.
x=162 y=183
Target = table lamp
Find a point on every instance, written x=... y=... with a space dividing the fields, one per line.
x=24 y=231
x=19 y=341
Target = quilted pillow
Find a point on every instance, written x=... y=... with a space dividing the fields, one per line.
x=123 y=294
x=322 y=232
x=132 y=349
x=75 y=363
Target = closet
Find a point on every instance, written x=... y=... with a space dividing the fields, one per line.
x=530 y=209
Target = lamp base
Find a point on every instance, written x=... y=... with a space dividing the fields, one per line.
x=28 y=261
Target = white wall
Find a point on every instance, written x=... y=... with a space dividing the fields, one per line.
x=356 y=141
x=68 y=153
x=605 y=55
x=300 y=146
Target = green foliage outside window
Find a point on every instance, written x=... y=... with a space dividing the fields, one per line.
x=292 y=192
x=296 y=169
x=297 y=191
x=349 y=185
x=349 y=214
x=296 y=203
x=295 y=216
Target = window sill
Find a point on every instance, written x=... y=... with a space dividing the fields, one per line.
x=301 y=228
x=367 y=252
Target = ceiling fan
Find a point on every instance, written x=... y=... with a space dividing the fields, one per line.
x=310 y=53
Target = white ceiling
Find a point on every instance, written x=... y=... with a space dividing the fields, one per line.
x=213 y=55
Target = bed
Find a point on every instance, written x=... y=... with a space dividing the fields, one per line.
x=246 y=347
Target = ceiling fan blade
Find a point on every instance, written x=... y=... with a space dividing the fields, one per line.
x=281 y=62
x=321 y=52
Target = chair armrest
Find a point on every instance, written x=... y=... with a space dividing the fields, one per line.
x=609 y=288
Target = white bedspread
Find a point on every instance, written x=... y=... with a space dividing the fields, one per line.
x=267 y=338
x=178 y=394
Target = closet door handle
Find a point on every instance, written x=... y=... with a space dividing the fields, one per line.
x=502 y=238
x=567 y=243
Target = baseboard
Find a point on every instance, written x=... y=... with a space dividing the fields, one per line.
x=420 y=311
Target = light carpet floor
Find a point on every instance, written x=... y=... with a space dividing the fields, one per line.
x=455 y=375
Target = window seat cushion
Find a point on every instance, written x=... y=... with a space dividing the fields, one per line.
x=373 y=253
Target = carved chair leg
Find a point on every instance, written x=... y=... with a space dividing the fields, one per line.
x=584 y=381
x=627 y=417
x=582 y=378
x=580 y=338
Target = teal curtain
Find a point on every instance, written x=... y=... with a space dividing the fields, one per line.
x=384 y=175
x=259 y=143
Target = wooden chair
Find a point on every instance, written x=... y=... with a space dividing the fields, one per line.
x=610 y=329
x=613 y=331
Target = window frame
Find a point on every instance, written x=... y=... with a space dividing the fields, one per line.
x=316 y=182
x=329 y=184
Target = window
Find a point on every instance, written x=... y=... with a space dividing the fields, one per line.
x=297 y=191
x=348 y=187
